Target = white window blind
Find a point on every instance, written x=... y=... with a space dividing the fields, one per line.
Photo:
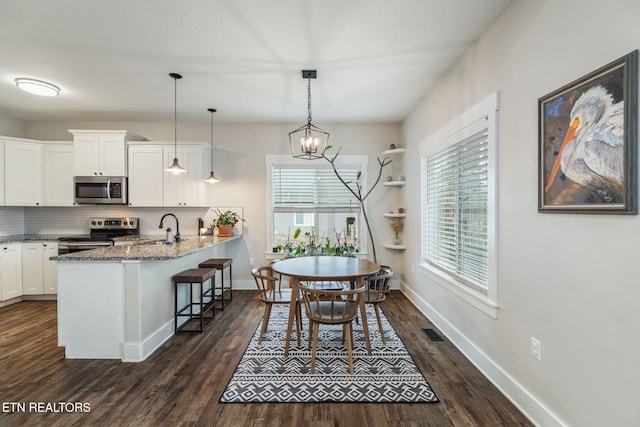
x=455 y=208
x=297 y=189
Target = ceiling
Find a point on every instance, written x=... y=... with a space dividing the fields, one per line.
x=375 y=58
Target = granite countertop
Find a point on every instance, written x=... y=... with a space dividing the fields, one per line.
x=151 y=249
x=19 y=238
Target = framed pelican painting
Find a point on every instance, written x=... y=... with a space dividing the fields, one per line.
x=587 y=142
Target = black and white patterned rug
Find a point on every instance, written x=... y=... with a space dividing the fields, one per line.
x=265 y=375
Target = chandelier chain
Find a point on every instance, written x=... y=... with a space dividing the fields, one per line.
x=309 y=100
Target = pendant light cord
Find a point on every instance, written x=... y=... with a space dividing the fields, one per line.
x=175 y=117
x=309 y=100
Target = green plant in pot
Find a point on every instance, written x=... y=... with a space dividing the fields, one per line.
x=225 y=222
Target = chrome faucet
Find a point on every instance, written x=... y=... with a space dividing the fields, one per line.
x=177 y=236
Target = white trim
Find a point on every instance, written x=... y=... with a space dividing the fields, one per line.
x=527 y=403
x=459 y=127
x=360 y=162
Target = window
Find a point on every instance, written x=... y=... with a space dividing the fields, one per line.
x=458 y=205
x=307 y=195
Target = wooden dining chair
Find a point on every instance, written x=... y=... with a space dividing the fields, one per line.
x=270 y=292
x=340 y=308
x=377 y=287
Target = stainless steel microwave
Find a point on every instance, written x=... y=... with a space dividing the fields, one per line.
x=100 y=190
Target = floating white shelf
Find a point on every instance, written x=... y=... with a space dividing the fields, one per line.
x=394 y=215
x=395 y=151
x=394 y=183
x=396 y=247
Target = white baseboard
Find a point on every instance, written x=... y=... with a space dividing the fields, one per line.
x=527 y=403
x=137 y=352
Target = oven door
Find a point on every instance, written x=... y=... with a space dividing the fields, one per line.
x=100 y=190
x=65 y=247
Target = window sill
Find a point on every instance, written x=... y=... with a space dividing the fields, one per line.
x=477 y=299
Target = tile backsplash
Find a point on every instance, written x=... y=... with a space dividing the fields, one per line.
x=11 y=221
x=74 y=220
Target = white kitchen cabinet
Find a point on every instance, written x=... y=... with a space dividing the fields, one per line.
x=57 y=174
x=50 y=268
x=39 y=275
x=187 y=189
x=22 y=172
x=146 y=175
x=10 y=271
x=101 y=152
x=1 y=173
x=32 y=269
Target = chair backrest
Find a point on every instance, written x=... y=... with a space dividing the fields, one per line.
x=331 y=306
x=377 y=285
x=268 y=285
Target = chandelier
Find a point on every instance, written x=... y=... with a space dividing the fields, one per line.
x=308 y=141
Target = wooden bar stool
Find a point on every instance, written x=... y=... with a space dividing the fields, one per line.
x=195 y=310
x=221 y=264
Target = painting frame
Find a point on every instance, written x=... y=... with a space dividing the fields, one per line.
x=587 y=142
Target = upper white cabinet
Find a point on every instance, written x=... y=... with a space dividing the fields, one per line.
x=186 y=189
x=57 y=174
x=146 y=175
x=101 y=152
x=2 y=174
x=10 y=271
x=22 y=172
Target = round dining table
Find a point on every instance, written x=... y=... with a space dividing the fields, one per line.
x=325 y=268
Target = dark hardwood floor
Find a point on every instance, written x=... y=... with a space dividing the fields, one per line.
x=180 y=384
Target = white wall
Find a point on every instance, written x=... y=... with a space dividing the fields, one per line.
x=240 y=164
x=569 y=280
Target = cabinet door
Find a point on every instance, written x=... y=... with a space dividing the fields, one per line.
x=86 y=155
x=23 y=174
x=50 y=268
x=146 y=176
x=113 y=155
x=172 y=182
x=1 y=173
x=11 y=271
x=188 y=188
x=32 y=272
x=193 y=187
x=57 y=175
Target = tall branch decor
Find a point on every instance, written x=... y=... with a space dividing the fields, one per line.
x=358 y=191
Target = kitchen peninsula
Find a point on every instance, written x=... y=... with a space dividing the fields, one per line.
x=118 y=302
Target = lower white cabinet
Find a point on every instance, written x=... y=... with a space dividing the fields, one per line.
x=39 y=275
x=10 y=271
x=50 y=268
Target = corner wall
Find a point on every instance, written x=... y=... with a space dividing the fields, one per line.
x=569 y=280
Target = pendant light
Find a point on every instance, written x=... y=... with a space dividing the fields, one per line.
x=308 y=141
x=212 y=179
x=175 y=166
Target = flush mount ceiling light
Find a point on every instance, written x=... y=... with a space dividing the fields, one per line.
x=37 y=87
x=308 y=141
x=212 y=176
x=175 y=166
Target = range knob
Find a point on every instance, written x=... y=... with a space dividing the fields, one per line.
x=99 y=222
x=93 y=223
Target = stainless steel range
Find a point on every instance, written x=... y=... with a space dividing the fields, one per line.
x=102 y=231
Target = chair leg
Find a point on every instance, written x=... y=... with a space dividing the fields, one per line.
x=298 y=321
x=375 y=306
x=265 y=321
x=311 y=327
x=347 y=331
x=314 y=347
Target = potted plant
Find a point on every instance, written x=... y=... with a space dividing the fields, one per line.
x=225 y=222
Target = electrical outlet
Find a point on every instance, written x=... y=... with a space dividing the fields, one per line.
x=536 y=349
